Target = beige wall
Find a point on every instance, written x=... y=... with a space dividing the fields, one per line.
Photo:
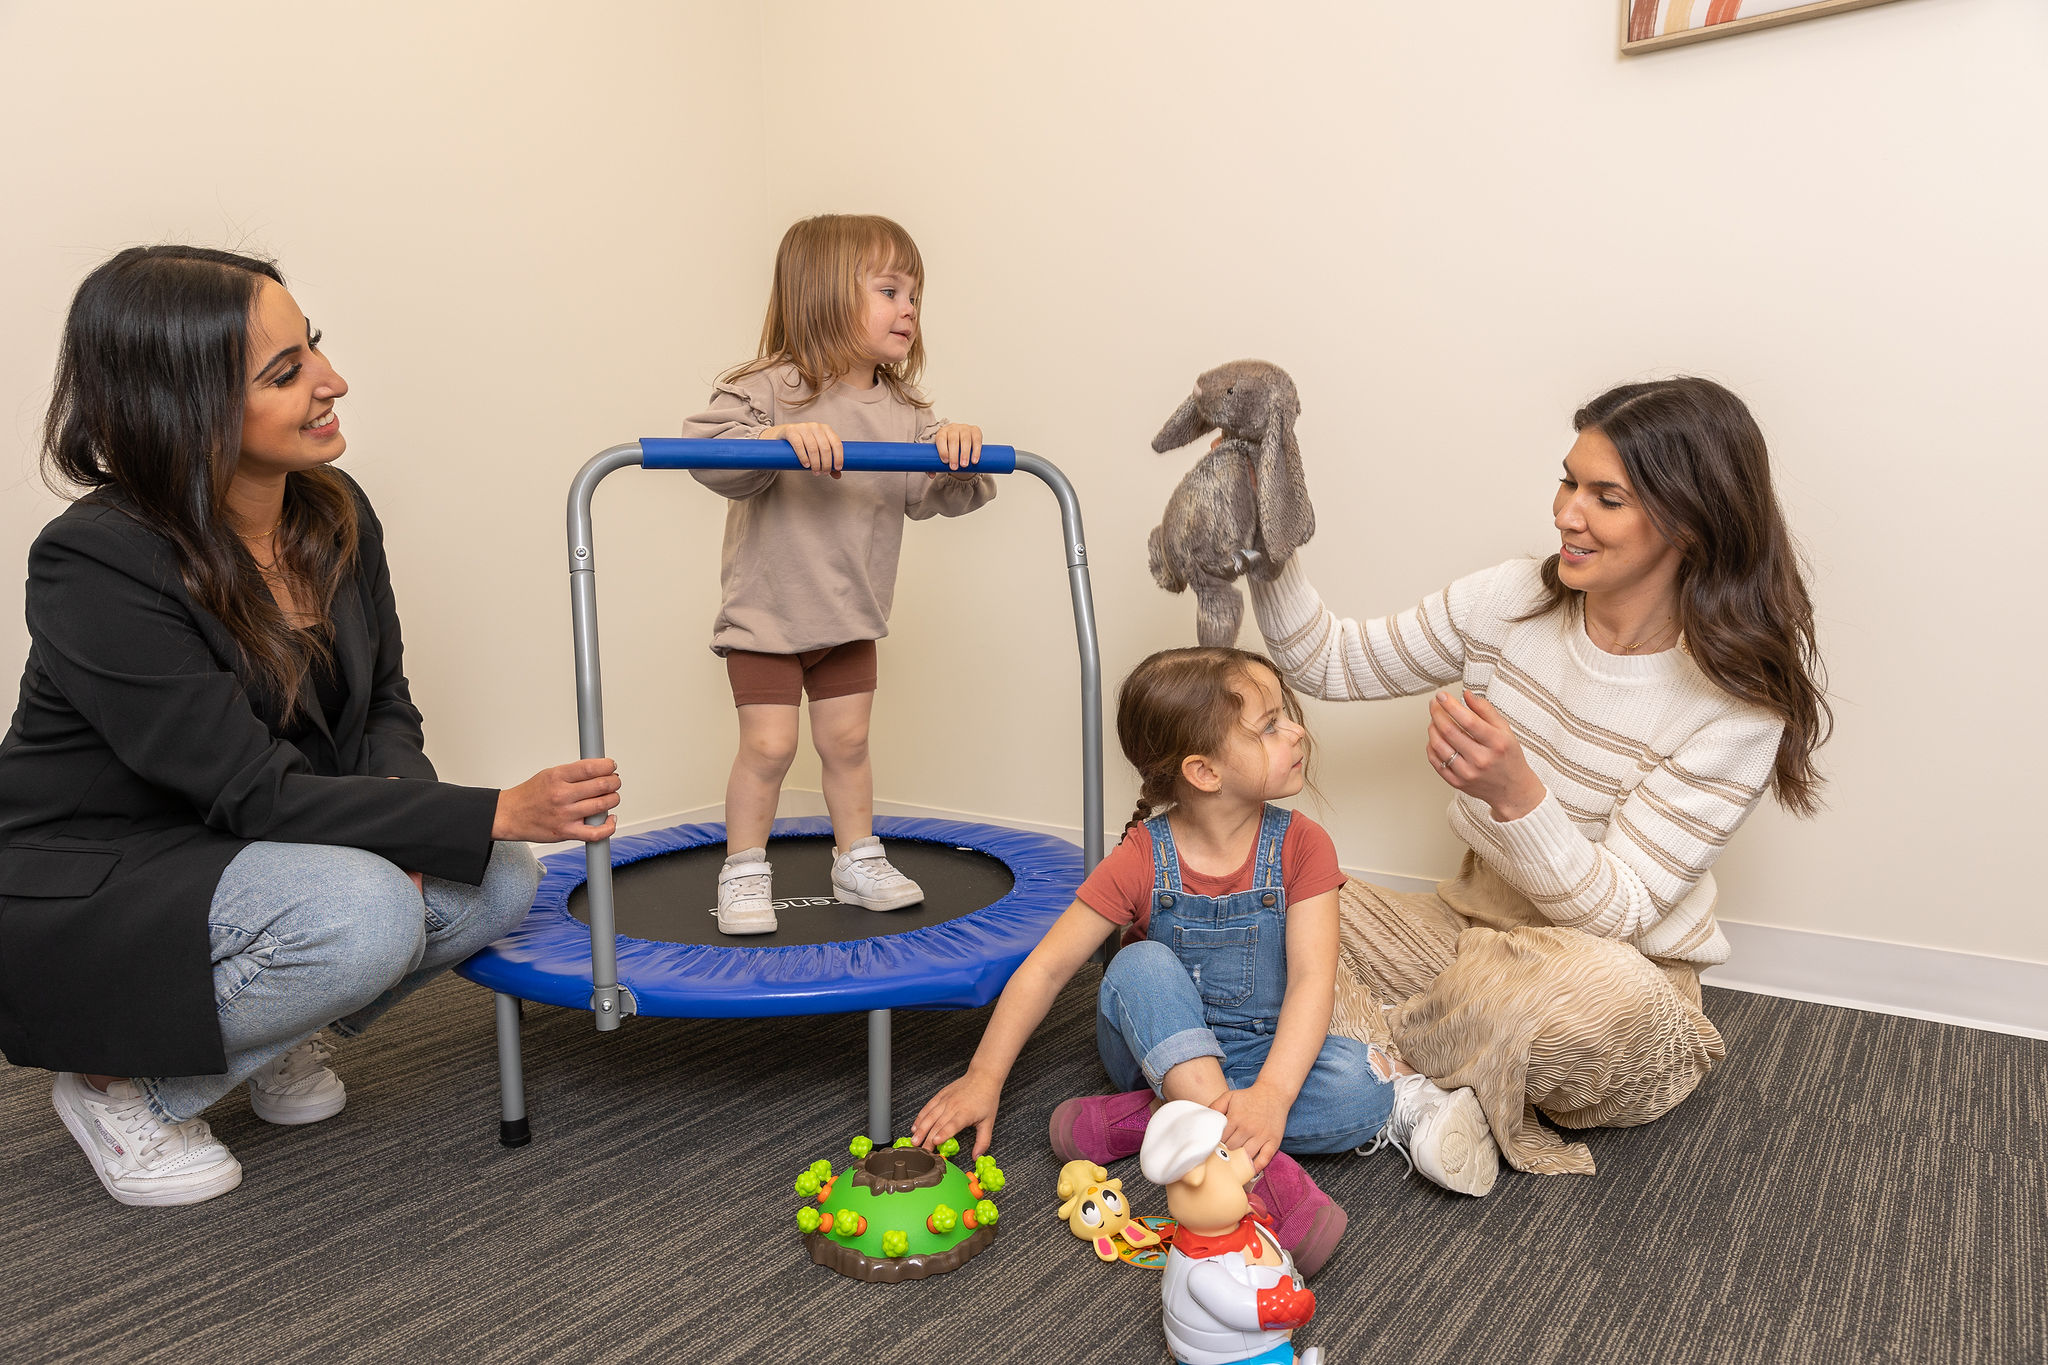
x=529 y=234
x=526 y=236
x=1452 y=224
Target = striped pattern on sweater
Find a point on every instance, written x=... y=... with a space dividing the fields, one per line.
x=1650 y=767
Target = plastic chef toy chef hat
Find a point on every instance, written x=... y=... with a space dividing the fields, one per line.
x=1179 y=1138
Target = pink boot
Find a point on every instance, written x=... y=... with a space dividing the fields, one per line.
x=1307 y=1221
x=1101 y=1128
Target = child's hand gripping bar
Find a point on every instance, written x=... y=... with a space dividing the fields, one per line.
x=675 y=452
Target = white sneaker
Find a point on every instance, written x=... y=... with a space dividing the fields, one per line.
x=298 y=1087
x=139 y=1158
x=1444 y=1134
x=863 y=876
x=746 y=893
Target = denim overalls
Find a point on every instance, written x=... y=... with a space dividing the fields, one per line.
x=1208 y=981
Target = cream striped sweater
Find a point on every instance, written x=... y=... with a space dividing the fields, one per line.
x=1649 y=766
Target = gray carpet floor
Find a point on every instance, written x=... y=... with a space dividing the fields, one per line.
x=1847 y=1188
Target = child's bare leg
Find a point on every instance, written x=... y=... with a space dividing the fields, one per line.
x=1199 y=1079
x=767 y=744
x=839 y=729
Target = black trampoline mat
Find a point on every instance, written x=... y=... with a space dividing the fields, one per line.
x=672 y=897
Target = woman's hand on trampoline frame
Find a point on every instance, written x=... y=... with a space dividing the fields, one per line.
x=551 y=806
x=960 y=447
x=816 y=445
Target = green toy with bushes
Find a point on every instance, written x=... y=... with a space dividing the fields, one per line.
x=898 y=1213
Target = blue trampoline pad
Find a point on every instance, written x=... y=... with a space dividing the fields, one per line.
x=949 y=954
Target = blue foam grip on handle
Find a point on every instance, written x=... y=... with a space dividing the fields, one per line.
x=677 y=452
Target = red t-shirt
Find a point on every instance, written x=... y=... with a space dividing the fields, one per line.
x=1120 y=887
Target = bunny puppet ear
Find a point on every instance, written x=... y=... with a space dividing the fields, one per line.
x=1286 y=517
x=1184 y=426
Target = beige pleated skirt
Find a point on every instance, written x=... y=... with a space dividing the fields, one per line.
x=1473 y=987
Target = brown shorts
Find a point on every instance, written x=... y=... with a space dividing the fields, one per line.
x=783 y=679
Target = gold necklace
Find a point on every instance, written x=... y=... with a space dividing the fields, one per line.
x=1615 y=643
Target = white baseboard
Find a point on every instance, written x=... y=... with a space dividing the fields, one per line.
x=2000 y=994
x=1997 y=994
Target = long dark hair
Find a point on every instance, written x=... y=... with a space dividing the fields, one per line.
x=1697 y=459
x=1185 y=701
x=148 y=401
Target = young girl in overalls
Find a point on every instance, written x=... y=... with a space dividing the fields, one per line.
x=1223 y=989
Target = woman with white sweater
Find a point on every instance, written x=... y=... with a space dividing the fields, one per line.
x=1606 y=719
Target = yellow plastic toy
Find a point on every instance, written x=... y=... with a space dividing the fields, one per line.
x=1096 y=1211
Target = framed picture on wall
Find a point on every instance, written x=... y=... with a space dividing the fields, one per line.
x=1647 y=25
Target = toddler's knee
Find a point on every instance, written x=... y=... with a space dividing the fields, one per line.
x=768 y=753
x=845 y=748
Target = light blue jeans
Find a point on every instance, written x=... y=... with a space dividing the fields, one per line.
x=313 y=936
x=1149 y=1019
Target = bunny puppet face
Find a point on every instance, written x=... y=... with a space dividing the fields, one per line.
x=1245 y=399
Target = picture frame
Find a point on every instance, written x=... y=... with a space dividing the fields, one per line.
x=1651 y=25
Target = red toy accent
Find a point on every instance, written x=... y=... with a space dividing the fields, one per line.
x=1244 y=1238
x=1285 y=1306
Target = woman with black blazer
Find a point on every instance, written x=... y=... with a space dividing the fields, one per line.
x=219 y=831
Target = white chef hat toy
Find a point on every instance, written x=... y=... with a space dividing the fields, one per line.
x=1180 y=1137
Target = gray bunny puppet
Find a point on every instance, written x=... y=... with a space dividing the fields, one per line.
x=1244 y=507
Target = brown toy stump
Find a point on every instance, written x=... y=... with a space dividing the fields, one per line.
x=895 y=1269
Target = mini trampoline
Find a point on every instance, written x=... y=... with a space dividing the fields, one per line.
x=626 y=926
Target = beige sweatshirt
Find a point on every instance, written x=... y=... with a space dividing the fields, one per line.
x=1649 y=766
x=810 y=561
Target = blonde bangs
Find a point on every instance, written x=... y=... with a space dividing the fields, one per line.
x=889 y=248
x=817 y=300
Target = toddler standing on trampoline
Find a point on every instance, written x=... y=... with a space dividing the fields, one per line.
x=1223 y=990
x=809 y=566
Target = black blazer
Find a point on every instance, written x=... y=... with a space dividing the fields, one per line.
x=141 y=760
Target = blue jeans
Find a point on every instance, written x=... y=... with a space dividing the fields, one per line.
x=313 y=936
x=1149 y=1019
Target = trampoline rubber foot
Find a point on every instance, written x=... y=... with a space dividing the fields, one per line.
x=514 y=1133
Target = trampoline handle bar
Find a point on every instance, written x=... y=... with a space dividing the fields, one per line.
x=672 y=452
x=610 y=1001
x=1090 y=654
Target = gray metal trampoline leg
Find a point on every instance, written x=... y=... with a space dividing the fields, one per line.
x=512 y=1129
x=878 y=1078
